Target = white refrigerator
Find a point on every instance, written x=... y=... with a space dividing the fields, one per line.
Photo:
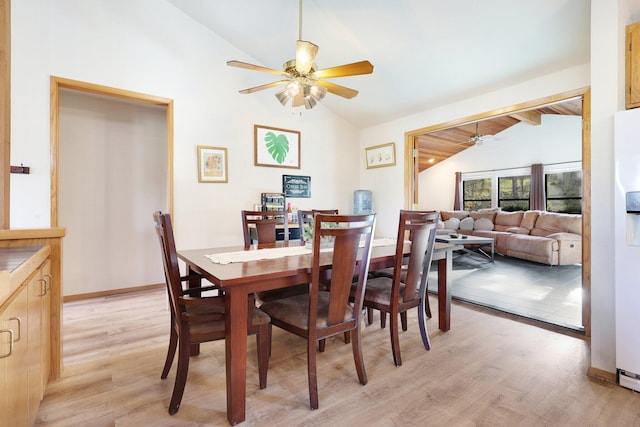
x=627 y=247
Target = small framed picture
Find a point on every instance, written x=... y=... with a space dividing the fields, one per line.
x=212 y=164
x=381 y=155
x=278 y=148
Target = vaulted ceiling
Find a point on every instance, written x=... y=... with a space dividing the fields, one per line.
x=425 y=53
x=437 y=146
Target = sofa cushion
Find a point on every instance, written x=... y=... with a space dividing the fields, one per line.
x=529 y=220
x=466 y=224
x=517 y=230
x=452 y=224
x=511 y=219
x=483 y=224
x=550 y=222
x=482 y=214
x=453 y=214
x=575 y=224
x=539 y=246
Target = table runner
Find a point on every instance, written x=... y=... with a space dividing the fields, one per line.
x=274 y=253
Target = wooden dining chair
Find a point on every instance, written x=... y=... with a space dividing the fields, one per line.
x=321 y=314
x=408 y=285
x=265 y=224
x=305 y=222
x=388 y=272
x=196 y=318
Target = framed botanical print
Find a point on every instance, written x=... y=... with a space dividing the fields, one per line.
x=212 y=164
x=274 y=147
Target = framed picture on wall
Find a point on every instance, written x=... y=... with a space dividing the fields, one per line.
x=212 y=164
x=274 y=147
x=381 y=155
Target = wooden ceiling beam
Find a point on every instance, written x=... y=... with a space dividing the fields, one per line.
x=532 y=117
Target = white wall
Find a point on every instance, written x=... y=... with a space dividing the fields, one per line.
x=120 y=43
x=113 y=174
x=557 y=139
x=608 y=20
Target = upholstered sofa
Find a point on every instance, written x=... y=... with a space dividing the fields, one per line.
x=544 y=237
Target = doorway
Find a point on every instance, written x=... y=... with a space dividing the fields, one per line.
x=412 y=172
x=108 y=175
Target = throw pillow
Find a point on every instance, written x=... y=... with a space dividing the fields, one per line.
x=483 y=224
x=452 y=224
x=466 y=224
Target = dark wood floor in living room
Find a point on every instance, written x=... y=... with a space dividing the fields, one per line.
x=488 y=370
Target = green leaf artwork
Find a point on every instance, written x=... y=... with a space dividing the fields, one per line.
x=277 y=145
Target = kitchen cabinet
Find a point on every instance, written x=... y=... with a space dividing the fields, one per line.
x=14 y=386
x=25 y=342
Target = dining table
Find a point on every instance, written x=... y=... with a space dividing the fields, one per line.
x=240 y=279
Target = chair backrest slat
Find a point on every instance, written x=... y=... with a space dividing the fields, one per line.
x=420 y=227
x=265 y=223
x=347 y=233
x=164 y=230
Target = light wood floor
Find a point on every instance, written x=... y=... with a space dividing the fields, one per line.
x=487 y=371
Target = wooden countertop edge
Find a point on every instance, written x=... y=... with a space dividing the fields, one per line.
x=24 y=270
x=32 y=233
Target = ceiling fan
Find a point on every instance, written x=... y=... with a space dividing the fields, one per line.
x=303 y=82
x=478 y=138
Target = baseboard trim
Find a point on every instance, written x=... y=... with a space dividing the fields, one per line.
x=111 y=292
x=602 y=375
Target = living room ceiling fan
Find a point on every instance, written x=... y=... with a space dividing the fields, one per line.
x=304 y=83
x=478 y=138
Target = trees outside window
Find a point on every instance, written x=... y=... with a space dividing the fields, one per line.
x=476 y=194
x=564 y=192
x=513 y=192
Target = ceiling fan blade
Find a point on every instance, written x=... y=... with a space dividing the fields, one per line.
x=305 y=55
x=265 y=86
x=335 y=89
x=248 y=66
x=354 y=69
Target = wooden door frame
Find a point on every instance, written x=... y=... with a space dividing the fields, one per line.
x=411 y=194
x=58 y=83
x=5 y=111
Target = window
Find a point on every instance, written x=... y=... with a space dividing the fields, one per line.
x=564 y=192
x=476 y=194
x=513 y=192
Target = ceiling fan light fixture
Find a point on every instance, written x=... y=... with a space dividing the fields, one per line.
x=317 y=92
x=305 y=84
x=293 y=88
x=313 y=94
x=283 y=96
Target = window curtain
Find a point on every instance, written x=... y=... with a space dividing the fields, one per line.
x=456 y=196
x=536 y=194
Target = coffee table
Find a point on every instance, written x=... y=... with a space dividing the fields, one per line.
x=469 y=244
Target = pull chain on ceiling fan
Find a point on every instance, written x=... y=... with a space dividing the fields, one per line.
x=303 y=81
